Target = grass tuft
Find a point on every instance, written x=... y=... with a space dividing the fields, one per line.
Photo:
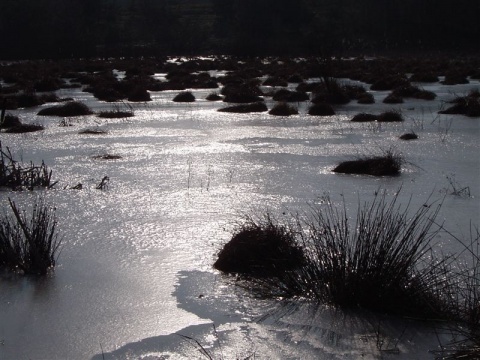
x=321 y=109
x=184 y=96
x=17 y=177
x=409 y=136
x=260 y=248
x=71 y=108
x=390 y=116
x=29 y=245
x=377 y=262
x=388 y=164
x=245 y=108
x=283 y=109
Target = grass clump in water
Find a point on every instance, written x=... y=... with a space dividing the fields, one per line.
x=378 y=262
x=71 y=108
x=245 y=108
x=117 y=112
x=390 y=116
x=321 y=109
x=16 y=176
x=283 y=109
x=260 y=248
x=388 y=164
x=184 y=96
x=29 y=245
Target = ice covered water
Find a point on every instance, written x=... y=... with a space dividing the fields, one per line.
x=135 y=266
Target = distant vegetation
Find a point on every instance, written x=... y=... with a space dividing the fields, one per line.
x=101 y=28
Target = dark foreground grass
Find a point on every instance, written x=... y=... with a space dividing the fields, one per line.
x=378 y=261
x=29 y=245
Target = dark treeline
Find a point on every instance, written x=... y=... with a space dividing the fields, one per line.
x=96 y=28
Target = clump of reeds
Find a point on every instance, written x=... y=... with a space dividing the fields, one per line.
x=331 y=92
x=390 y=116
x=366 y=98
x=409 y=136
x=24 y=128
x=117 y=112
x=71 y=108
x=11 y=124
x=427 y=77
x=184 y=96
x=283 y=109
x=364 y=117
x=29 y=245
x=139 y=94
x=393 y=99
x=245 y=108
x=388 y=82
x=106 y=157
x=16 y=176
x=241 y=93
x=410 y=91
x=9 y=121
x=93 y=132
x=455 y=78
x=321 y=109
x=468 y=105
x=213 y=96
x=260 y=248
x=290 y=96
x=275 y=81
x=378 y=261
x=387 y=164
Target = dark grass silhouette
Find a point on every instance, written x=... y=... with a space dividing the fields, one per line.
x=29 y=245
x=260 y=248
x=71 y=108
x=468 y=105
x=364 y=117
x=184 y=96
x=409 y=136
x=390 y=116
x=17 y=176
x=377 y=261
x=388 y=164
x=245 y=108
x=321 y=109
x=283 y=109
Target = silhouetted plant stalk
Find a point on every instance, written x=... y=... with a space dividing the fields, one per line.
x=29 y=245
x=17 y=177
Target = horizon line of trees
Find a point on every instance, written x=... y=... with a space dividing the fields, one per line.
x=100 y=28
